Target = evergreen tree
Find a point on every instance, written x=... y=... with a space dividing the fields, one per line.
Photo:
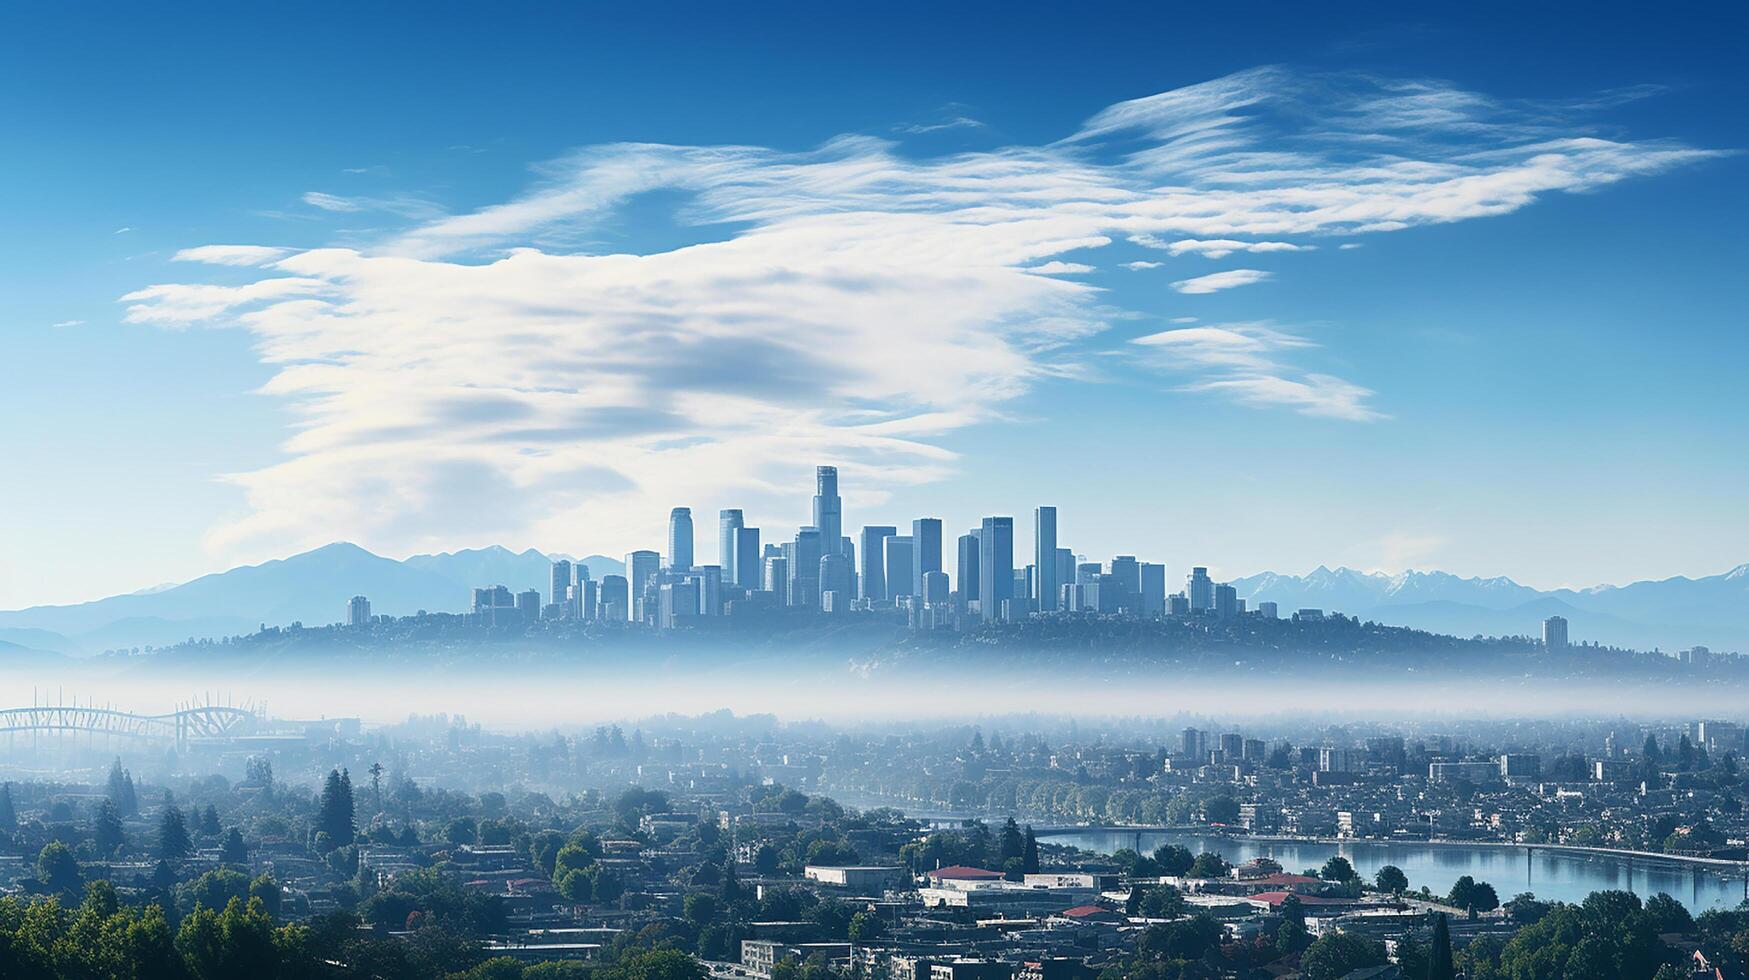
x=335 y=813
x=8 y=815
x=731 y=883
x=1029 y=853
x=209 y=821
x=173 y=842
x=1439 y=966
x=233 y=850
x=376 y=785
x=1009 y=844
x=106 y=830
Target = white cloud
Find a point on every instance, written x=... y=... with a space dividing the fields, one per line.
x=479 y=377
x=1184 y=319
x=1349 y=246
x=957 y=122
x=1060 y=269
x=66 y=323
x=1217 y=281
x=1139 y=266
x=1248 y=363
x=1318 y=395
x=245 y=255
x=121 y=231
x=1217 y=248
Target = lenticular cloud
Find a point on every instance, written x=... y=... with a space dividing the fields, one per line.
x=482 y=377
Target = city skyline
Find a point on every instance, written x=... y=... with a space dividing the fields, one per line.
x=1159 y=281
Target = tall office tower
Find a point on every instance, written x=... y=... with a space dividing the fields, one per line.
x=1233 y=746
x=828 y=508
x=847 y=548
x=616 y=598
x=1153 y=590
x=1202 y=590
x=1044 y=558
x=1128 y=573
x=968 y=567
x=1178 y=605
x=678 y=603
x=874 y=564
x=1065 y=571
x=804 y=568
x=584 y=602
x=995 y=566
x=493 y=597
x=1555 y=633
x=897 y=553
x=1226 y=601
x=729 y=523
x=641 y=569
x=709 y=581
x=835 y=575
x=528 y=604
x=1191 y=742
x=1268 y=610
x=358 y=611
x=747 y=559
x=925 y=550
x=777 y=577
x=680 y=538
x=561 y=582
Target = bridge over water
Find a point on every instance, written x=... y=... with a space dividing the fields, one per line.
x=206 y=722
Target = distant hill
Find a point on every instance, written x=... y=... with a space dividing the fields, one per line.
x=1673 y=613
x=312 y=587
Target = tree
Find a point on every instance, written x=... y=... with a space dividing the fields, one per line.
x=209 y=821
x=107 y=835
x=233 y=850
x=8 y=815
x=1338 y=869
x=57 y=868
x=1221 y=810
x=1473 y=896
x=120 y=789
x=376 y=785
x=335 y=812
x=1029 y=863
x=1009 y=843
x=1439 y=965
x=866 y=927
x=1208 y=864
x=1391 y=878
x=173 y=842
x=1339 y=954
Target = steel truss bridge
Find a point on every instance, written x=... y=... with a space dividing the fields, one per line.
x=194 y=723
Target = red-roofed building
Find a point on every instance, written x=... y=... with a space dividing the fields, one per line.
x=1090 y=913
x=960 y=872
x=1313 y=904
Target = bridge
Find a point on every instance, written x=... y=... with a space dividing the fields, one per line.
x=206 y=722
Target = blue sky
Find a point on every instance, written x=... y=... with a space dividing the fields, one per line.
x=534 y=278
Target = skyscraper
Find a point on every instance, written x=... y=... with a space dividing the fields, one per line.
x=1044 y=558
x=828 y=508
x=641 y=569
x=967 y=554
x=1226 y=601
x=1202 y=590
x=561 y=590
x=1555 y=633
x=680 y=538
x=898 y=565
x=747 y=558
x=1153 y=590
x=995 y=566
x=615 y=598
x=874 y=564
x=804 y=569
x=729 y=524
x=1128 y=573
x=925 y=550
x=834 y=575
x=358 y=611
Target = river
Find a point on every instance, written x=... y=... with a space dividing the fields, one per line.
x=1565 y=876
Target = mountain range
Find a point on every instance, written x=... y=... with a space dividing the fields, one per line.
x=313 y=588
x=1672 y=613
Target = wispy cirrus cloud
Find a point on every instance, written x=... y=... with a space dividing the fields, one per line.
x=1249 y=363
x=477 y=377
x=1214 y=282
x=1218 y=248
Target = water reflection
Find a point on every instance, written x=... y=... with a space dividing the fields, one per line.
x=1555 y=875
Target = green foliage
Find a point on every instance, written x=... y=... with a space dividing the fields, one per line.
x=1338 y=869
x=173 y=842
x=1339 y=954
x=57 y=868
x=1391 y=878
x=335 y=812
x=1472 y=896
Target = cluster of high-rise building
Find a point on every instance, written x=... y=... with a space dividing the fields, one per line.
x=824 y=569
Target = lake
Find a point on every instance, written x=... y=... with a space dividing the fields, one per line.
x=1565 y=876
